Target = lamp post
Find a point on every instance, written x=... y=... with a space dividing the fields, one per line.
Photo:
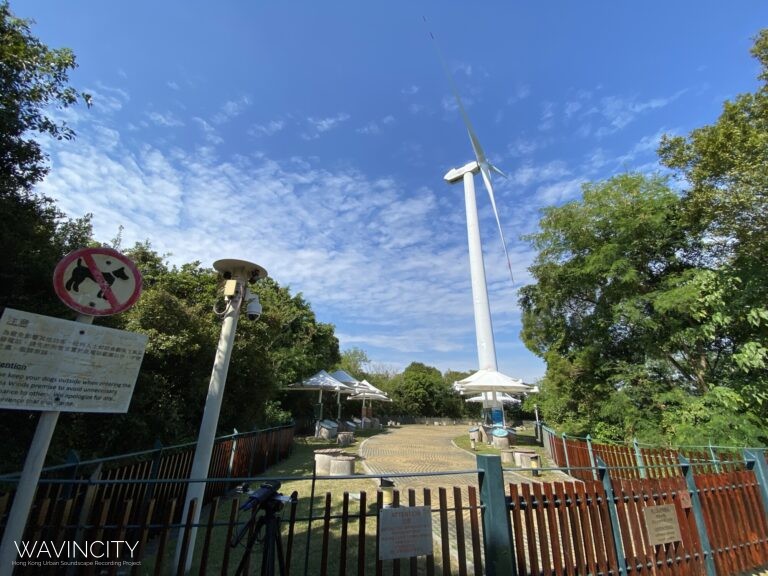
x=237 y=275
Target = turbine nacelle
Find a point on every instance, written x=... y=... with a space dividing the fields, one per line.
x=456 y=174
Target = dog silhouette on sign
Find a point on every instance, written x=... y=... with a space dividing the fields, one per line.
x=81 y=273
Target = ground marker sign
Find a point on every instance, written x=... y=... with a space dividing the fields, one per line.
x=97 y=281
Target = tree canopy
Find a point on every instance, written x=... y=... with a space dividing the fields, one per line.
x=649 y=303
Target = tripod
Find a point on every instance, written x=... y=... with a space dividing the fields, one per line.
x=264 y=529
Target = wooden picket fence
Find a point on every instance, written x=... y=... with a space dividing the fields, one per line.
x=343 y=536
x=566 y=528
x=597 y=523
x=579 y=457
x=573 y=527
x=144 y=488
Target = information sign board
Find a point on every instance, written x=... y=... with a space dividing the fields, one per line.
x=60 y=365
x=662 y=525
x=405 y=532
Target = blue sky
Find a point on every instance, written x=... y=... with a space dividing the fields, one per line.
x=312 y=137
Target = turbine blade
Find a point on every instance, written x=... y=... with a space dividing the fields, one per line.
x=499 y=172
x=482 y=160
x=479 y=154
x=485 y=172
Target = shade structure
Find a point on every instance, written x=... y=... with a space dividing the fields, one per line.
x=365 y=386
x=503 y=397
x=491 y=381
x=323 y=382
x=368 y=394
x=380 y=396
x=345 y=378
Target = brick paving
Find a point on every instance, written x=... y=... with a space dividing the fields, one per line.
x=421 y=448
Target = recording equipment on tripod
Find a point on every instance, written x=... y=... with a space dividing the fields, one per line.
x=263 y=528
x=257 y=498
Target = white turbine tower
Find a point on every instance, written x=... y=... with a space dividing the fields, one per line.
x=486 y=348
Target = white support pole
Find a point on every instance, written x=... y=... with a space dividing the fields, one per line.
x=30 y=476
x=204 y=449
x=486 y=348
x=25 y=492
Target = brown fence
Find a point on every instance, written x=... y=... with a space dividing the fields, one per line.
x=575 y=528
x=97 y=492
x=711 y=522
x=579 y=458
x=342 y=539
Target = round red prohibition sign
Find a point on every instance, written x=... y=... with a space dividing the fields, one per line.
x=97 y=281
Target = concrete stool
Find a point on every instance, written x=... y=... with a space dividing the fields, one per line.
x=345 y=438
x=323 y=460
x=342 y=465
x=508 y=457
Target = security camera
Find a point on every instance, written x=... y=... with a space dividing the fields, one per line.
x=253 y=306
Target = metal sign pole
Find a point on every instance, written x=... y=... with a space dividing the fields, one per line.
x=30 y=476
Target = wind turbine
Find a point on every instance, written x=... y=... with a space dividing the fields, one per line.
x=486 y=347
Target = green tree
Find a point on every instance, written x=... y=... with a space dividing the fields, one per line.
x=626 y=310
x=419 y=391
x=354 y=361
x=34 y=234
x=724 y=167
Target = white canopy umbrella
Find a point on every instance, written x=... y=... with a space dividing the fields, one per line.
x=503 y=397
x=322 y=382
x=490 y=383
x=372 y=394
x=345 y=378
x=366 y=386
x=486 y=380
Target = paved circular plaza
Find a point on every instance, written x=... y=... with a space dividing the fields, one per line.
x=417 y=448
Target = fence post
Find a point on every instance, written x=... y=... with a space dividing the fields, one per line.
x=613 y=515
x=497 y=528
x=72 y=459
x=755 y=459
x=591 y=457
x=232 y=453
x=252 y=456
x=698 y=514
x=639 y=459
x=565 y=451
x=715 y=460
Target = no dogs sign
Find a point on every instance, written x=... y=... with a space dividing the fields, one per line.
x=97 y=281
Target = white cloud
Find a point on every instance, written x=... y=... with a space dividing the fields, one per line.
x=374 y=127
x=209 y=131
x=521 y=93
x=463 y=68
x=231 y=109
x=410 y=90
x=268 y=129
x=319 y=126
x=547 y=121
x=450 y=104
x=620 y=112
x=560 y=192
x=165 y=119
x=532 y=174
